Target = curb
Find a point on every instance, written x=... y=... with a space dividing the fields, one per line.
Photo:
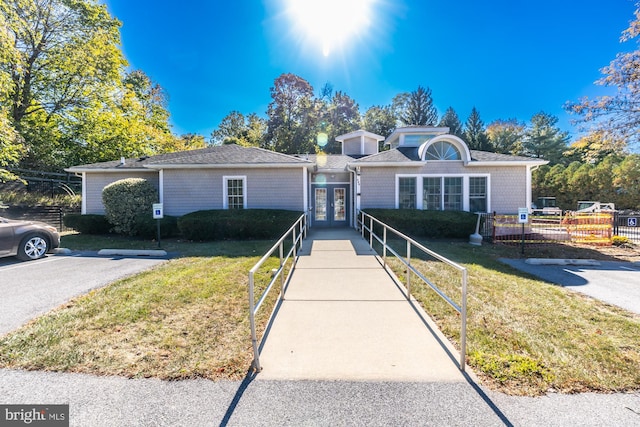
x=560 y=261
x=133 y=252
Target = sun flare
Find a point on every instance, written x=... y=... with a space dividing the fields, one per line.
x=330 y=24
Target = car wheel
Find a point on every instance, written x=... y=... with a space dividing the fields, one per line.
x=33 y=247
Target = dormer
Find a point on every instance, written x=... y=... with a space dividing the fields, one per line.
x=414 y=136
x=359 y=143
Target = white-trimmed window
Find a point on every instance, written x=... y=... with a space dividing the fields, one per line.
x=235 y=192
x=443 y=192
x=407 y=192
x=477 y=194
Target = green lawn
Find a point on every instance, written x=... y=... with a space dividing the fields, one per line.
x=189 y=318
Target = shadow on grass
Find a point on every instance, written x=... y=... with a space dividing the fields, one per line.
x=178 y=248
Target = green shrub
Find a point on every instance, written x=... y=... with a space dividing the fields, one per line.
x=87 y=224
x=147 y=227
x=430 y=224
x=620 y=240
x=125 y=200
x=237 y=224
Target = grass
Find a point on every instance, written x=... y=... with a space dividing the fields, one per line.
x=188 y=318
x=526 y=336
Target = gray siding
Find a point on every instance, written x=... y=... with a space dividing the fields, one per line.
x=95 y=182
x=190 y=190
x=378 y=187
x=507 y=191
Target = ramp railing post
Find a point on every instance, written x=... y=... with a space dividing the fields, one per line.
x=463 y=328
x=384 y=246
x=252 y=321
x=408 y=270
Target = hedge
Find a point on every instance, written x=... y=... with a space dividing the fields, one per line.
x=147 y=227
x=430 y=224
x=87 y=224
x=125 y=200
x=236 y=224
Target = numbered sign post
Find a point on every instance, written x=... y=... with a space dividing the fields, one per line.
x=158 y=214
x=523 y=218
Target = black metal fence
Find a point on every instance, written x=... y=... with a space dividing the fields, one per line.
x=49 y=183
x=52 y=215
x=627 y=225
x=593 y=228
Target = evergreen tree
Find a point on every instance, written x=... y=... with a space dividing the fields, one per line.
x=544 y=140
x=415 y=108
x=452 y=121
x=475 y=133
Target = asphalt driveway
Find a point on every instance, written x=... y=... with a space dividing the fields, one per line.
x=616 y=283
x=32 y=288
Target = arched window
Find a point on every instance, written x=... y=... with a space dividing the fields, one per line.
x=442 y=150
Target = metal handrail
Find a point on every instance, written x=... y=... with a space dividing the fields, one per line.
x=298 y=231
x=460 y=308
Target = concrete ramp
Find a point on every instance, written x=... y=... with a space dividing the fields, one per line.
x=344 y=318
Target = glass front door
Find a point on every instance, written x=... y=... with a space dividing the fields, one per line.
x=331 y=206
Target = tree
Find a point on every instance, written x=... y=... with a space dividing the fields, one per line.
x=415 y=108
x=292 y=116
x=379 y=120
x=594 y=147
x=65 y=91
x=66 y=53
x=341 y=115
x=475 y=133
x=452 y=121
x=543 y=139
x=190 y=141
x=626 y=181
x=617 y=114
x=235 y=128
x=506 y=136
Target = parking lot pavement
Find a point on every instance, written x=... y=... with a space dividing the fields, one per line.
x=32 y=288
x=613 y=282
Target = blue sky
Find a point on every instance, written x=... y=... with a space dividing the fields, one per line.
x=508 y=58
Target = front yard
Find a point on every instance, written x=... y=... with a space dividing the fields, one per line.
x=189 y=318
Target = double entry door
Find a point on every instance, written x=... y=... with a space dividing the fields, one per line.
x=330 y=205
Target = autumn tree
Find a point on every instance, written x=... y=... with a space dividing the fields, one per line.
x=338 y=116
x=506 y=136
x=292 y=116
x=594 y=147
x=65 y=89
x=543 y=139
x=475 y=133
x=379 y=120
x=617 y=114
x=451 y=120
x=415 y=108
x=236 y=128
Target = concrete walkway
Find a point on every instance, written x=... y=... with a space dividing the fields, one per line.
x=345 y=318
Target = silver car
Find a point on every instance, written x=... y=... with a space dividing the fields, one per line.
x=28 y=240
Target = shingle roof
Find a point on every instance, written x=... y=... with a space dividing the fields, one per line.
x=216 y=155
x=400 y=154
x=410 y=154
x=331 y=161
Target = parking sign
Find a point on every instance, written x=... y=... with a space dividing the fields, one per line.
x=632 y=222
x=157 y=211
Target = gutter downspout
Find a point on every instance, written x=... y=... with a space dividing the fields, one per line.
x=356 y=200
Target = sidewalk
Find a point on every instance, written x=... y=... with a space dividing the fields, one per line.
x=345 y=375
x=344 y=318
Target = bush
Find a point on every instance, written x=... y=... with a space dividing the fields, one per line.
x=87 y=224
x=147 y=227
x=430 y=224
x=125 y=200
x=236 y=224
